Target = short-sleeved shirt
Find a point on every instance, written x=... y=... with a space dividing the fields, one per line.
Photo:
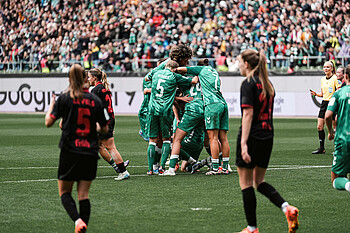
x=210 y=83
x=252 y=97
x=329 y=86
x=161 y=66
x=79 y=122
x=164 y=83
x=340 y=103
x=105 y=96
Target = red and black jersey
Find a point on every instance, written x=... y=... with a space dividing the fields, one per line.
x=79 y=133
x=252 y=97
x=105 y=96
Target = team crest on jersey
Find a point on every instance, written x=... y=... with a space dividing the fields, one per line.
x=330 y=89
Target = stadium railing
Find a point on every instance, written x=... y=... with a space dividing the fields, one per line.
x=144 y=65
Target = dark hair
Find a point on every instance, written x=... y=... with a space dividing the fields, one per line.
x=203 y=62
x=257 y=63
x=101 y=76
x=347 y=71
x=77 y=77
x=161 y=60
x=179 y=52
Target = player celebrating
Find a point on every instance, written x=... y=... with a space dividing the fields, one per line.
x=255 y=139
x=329 y=84
x=215 y=114
x=108 y=151
x=80 y=111
x=340 y=103
x=164 y=83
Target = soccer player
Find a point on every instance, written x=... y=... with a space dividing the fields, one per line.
x=80 y=111
x=329 y=85
x=164 y=83
x=108 y=151
x=340 y=103
x=255 y=139
x=215 y=114
x=192 y=121
x=143 y=119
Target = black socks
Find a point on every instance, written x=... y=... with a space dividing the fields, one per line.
x=71 y=208
x=249 y=203
x=271 y=193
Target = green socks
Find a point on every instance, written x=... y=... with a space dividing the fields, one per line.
x=151 y=152
x=341 y=183
x=165 y=152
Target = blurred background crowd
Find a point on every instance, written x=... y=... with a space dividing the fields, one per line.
x=127 y=35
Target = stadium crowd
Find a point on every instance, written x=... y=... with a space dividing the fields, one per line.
x=114 y=35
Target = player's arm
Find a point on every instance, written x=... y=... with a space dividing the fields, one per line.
x=147 y=91
x=103 y=129
x=181 y=70
x=247 y=119
x=49 y=118
x=176 y=114
x=185 y=99
x=329 y=116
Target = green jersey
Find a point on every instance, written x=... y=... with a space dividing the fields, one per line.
x=196 y=106
x=164 y=83
x=194 y=140
x=158 y=68
x=146 y=97
x=210 y=83
x=340 y=103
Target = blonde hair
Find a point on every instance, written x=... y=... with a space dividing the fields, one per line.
x=101 y=76
x=257 y=64
x=77 y=76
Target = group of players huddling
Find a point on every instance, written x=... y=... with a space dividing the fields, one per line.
x=188 y=102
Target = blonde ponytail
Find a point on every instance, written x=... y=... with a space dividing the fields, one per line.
x=104 y=80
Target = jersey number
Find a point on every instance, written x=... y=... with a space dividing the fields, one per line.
x=215 y=74
x=265 y=114
x=108 y=99
x=159 y=87
x=198 y=89
x=83 y=113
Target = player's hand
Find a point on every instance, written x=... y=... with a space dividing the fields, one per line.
x=330 y=136
x=244 y=152
x=60 y=124
x=187 y=99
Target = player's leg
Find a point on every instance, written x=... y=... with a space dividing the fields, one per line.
x=249 y=198
x=165 y=128
x=214 y=148
x=110 y=146
x=320 y=128
x=153 y=132
x=65 y=192
x=83 y=187
x=175 y=152
x=158 y=154
x=225 y=150
x=341 y=167
x=261 y=151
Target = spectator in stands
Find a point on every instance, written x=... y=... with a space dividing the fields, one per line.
x=70 y=27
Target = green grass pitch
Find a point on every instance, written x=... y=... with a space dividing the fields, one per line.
x=29 y=200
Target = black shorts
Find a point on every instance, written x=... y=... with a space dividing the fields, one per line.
x=259 y=151
x=323 y=109
x=109 y=134
x=76 y=167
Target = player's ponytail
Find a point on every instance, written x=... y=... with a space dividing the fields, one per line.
x=101 y=76
x=104 y=80
x=77 y=76
x=257 y=65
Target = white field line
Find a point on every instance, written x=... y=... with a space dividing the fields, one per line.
x=272 y=167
